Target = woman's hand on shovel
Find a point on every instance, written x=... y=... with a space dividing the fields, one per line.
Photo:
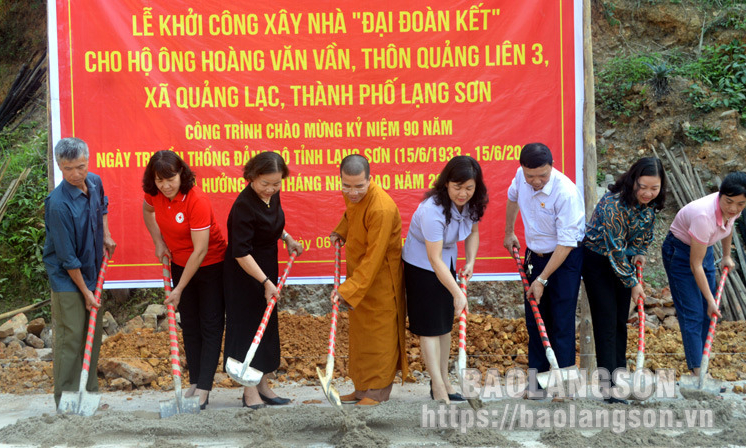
x=460 y=304
x=293 y=246
x=174 y=298
x=270 y=290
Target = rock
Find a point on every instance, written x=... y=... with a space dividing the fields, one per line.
x=729 y=113
x=29 y=353
x=663 y=312
x=109 y=324
x=138 y=372
x=149 y=320
x=133 y=324
x=9 y=339
x=36 y=326
x=157 y=309
x=45 y=354
x=21 y=333
x=14 y=349
x=521 y=359
x=608 y=133
x=162 y=325
x=13 y=325
x=652 y=322
x=34 y=341
x=671 y=323
x=120 y=384
x=47 y=335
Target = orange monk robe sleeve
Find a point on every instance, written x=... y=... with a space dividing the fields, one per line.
x=341 y=228
x=379 y=224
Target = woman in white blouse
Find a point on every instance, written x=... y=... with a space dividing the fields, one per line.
x=449 y=213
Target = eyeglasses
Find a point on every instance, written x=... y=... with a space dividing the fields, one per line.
x=353 y=190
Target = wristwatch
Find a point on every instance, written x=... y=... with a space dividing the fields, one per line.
x=542 y=281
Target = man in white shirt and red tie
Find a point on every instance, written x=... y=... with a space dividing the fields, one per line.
x=553 y=216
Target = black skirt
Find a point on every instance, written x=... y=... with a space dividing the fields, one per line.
x=429 y=303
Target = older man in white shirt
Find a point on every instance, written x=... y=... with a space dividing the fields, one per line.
x=553 y=216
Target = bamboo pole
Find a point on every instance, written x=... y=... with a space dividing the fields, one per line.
x=24 y=309
x=11 y=191
x=590 y=165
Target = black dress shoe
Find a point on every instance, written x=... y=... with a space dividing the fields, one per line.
x=277 y=401
x=452 y=397
x=207 y=400
x=614 y=400
x=252 y=406
x=456 y=397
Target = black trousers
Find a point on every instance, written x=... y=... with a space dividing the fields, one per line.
x=202 y=309
x=557 y=308
x=609 y=301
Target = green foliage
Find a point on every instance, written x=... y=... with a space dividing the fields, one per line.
x=720 y=76
x=734 y=19
x=608 y=11
x=659 y=81
x=704 y=133
x=22 y=276
x=616 y=80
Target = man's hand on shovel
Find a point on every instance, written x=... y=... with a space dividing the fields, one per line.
x=336 y=298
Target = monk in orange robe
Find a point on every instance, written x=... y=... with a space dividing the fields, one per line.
x=374 y=287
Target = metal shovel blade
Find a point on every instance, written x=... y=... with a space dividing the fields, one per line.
x=242 y=372
x=79 y=403
x=329 y=390
x=640 y=385
x=691 y=383
x=475 y=402
x=179 y=405
x=565 y=374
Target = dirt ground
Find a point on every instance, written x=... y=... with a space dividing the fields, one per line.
x=131 y=418
x=410 y=418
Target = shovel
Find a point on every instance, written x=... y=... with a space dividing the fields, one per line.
x=702 y=383
x=640 y=361
x=326 y=378
x=475 y=403
x=242 y=372
x=179 y=404
x=82 y=402
x=564 y=374
x=641 y=383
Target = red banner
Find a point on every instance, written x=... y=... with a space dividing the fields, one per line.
x=406 y=84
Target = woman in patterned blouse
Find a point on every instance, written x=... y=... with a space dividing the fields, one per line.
x=617 y=237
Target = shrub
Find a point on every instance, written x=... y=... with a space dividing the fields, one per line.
x=721 y=77
x=22 y=276
x=615 y=82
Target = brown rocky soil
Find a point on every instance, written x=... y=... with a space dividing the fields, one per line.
x=492 y=343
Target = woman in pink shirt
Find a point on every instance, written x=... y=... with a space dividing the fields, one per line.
x=690 y=264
